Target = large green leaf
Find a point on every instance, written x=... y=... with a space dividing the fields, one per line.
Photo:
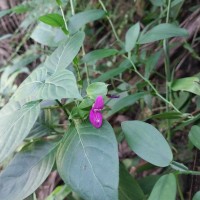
x=128 y=187
x=47 y=35
x=39 y=85
x=147 y=142
x=194 y=136
x=147 y=183
x=65 y=53
x=87 y=161
x=131 y=37
x=189 y=84
x=125 y=102
x=80 y=19
x=164 y=189
x=162 y=31
x=196 y=196
x=98 y=54
x=15 y=126
x=27 y=171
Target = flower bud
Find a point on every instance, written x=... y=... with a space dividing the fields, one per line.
x=98 y=104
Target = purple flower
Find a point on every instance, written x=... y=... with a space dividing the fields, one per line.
x=96 y=117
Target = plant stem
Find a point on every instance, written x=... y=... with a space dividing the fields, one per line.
x=66 y=111
x=110 y=21
x=63 y=16
x=86 y=67
x=72 y=7
x=179 y=188
x=152 y=87
x=167 y=71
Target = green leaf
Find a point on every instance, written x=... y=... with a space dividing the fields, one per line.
x=52 y=19
x=128 y=187
x=189 y=84
x=157 y=2
x=64 y=55
x=21 y=9
x=178 y=166
x=15 y=126
x=47 y=35
x=150 y=63
x=39 y=85
x=27 y=171
x=196 y=196
x=79 y=20
x=125 y=102
x=88 y=162
x=5 y=12
x=162 y=31
x=167 y=115
x=164 y=189
x=59 y=193
x=96 y=55
x=96 y=89
x=147 y=142
x=114 y=72
x=147 y=183
x=131 y=37
x=194 y=136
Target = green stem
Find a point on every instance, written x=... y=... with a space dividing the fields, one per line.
x=150 y=84
x=110 y=21
x=72 y=7
x=63 y=16
x=179 y=188
x=167 y=72
x=66 y=111
x=86 y=67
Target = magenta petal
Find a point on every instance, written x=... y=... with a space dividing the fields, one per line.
x=99 y=103
x=96 y=118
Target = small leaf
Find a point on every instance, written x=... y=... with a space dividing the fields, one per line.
x=39 y=85
x=167 y=115
x=189 y=84
x=194 y=136
x=157 y=2
x=5 y=12
x=52 y=19
x=78 y=20
x=88 y=162
x=114 y=72
x=131 y=37
x=96 y=89
x=27 y=171
x=162 y=31
x=59 y=193
x=63 y=56
x=98 y=54
x=15 y=126
x=150 y=63
x=164 y=189
x=128 y=187
x=196 y=196
x=178 y=166
x=125 y=102
x=147 y=142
